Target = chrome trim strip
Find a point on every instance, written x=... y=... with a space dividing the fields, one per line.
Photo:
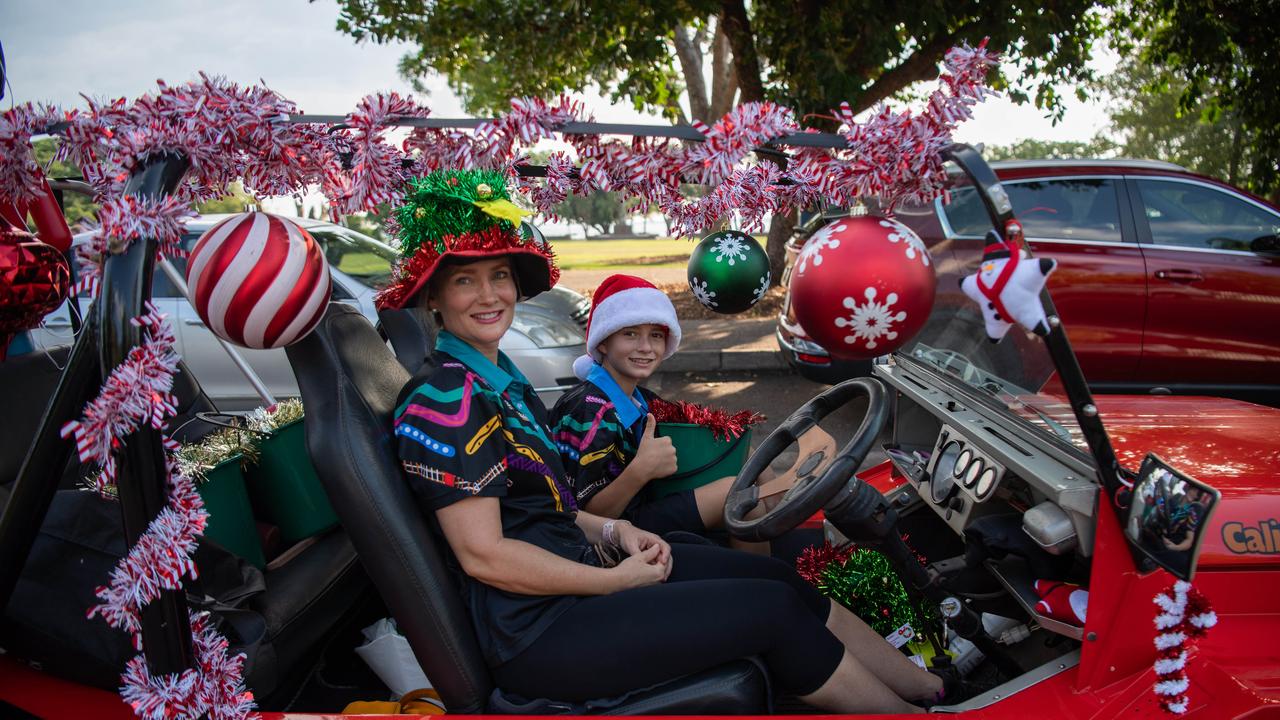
x=554 y=388
x=1065 y=241
x=1215 y=251
x=1016 y=685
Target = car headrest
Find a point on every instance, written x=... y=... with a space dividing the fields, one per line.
x=349 y=382
x=412 y=334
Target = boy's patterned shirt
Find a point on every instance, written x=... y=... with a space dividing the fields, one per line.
x=589 y=431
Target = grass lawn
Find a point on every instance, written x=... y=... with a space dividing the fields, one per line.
x=636 y=252
x=599 y=254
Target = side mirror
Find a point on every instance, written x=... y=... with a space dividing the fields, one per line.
x=1168 y=515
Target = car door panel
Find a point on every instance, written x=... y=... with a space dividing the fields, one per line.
x=1099 y=287
x=1100 y=293
x=1214 y=306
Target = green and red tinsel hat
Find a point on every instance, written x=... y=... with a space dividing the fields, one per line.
x=464 y=214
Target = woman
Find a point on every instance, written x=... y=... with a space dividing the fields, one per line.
x=555 y=620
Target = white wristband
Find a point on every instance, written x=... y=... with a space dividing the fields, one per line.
x=607 y=532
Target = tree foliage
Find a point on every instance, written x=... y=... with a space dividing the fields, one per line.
x=1032 y=149
x=75 y=207
x=1224 y=55
x=236 y=201
x=599 y=210
x=807 y=54
x=810 y=55
x=1152 y=117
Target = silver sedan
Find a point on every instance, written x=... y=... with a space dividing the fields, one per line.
x=545 y=337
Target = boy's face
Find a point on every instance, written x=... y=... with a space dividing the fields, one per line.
x=636 y=351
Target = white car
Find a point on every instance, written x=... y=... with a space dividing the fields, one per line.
x=546 y=334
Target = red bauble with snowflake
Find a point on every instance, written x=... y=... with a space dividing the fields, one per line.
x=862 y=286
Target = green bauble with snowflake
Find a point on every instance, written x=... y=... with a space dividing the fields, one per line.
x=728 y=271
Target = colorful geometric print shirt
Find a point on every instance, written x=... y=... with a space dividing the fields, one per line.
x=476 y=429
x=597 y=429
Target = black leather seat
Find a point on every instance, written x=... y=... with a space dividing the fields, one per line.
x=350 y=381
x=411 y=333
x=296 y=607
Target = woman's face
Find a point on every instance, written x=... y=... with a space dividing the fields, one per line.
x=476 y=301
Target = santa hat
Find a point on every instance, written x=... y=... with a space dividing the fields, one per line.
x=622 y=301
x=465 y=214
x=1062 y=601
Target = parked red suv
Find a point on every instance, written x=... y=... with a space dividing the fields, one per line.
x=1168 y=281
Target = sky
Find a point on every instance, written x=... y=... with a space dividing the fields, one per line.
x=57 y=50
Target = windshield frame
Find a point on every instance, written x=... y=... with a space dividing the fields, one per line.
x=1112 y=477
x=996 y=409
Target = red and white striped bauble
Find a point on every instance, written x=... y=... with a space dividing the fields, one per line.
x=258 y=280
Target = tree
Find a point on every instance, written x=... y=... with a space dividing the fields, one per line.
x=600 y=210
x=807 y=54
x=1032 y=149
x=235 y=201
x=76 y=208
x=1151 y=118
x=1225 y=57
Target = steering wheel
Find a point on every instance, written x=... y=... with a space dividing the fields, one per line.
x=818 y=473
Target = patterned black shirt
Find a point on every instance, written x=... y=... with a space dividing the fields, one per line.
x=477 y=429
x=597 y=429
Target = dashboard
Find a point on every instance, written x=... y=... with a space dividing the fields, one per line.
x=967 y=459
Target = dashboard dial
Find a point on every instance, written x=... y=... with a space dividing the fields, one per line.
x=943 y=483
x=974 y=470
x=962 y=462
x=986 y=482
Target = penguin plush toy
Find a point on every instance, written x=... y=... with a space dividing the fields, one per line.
x=1007 y=287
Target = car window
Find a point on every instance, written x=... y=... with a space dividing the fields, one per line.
x=1067 y=209
x=367 y=261
x=1193 y=215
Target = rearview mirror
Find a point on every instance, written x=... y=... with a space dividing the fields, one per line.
x=1168 y=515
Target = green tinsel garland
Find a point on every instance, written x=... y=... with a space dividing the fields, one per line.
x=443 y=204
x=267 y=421
x=867 y=584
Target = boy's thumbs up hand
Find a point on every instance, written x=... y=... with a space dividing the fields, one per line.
x=656 y=456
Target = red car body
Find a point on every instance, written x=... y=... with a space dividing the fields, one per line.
x=1166 y=279
x=1234 y=671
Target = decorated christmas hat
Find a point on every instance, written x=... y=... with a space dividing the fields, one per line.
x=464 y=214
x=622 y=301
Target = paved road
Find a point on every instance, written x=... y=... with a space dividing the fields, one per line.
x=586 y=280
x=775 y=394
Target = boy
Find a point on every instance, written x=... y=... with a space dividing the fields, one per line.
x=603 y=427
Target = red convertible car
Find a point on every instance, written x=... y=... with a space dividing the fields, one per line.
x=1167 y=280
x=1003 y=468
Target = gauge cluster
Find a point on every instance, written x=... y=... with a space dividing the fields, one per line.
x=959 y=477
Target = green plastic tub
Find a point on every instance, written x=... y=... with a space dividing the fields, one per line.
x=231 y=522
x=700 y=457
x=285 y=487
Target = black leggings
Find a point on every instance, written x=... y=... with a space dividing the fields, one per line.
x=718 y=605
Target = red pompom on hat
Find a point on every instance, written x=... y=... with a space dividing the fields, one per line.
x=622 y=301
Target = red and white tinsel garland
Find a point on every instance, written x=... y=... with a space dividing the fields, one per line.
x=1185 y=615
x=228 y=133
x=137 y=393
